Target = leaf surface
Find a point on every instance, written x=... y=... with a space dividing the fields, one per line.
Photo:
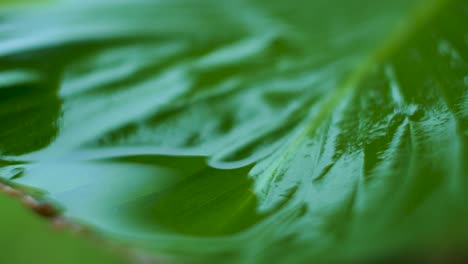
x=243 y=130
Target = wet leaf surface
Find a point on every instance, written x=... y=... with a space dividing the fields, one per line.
x=251 y=131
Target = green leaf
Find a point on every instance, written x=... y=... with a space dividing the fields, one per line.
x=252 y=131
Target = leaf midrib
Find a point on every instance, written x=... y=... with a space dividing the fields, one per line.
x=404 y=29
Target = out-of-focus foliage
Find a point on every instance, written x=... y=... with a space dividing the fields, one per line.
x=25 y=238
x=251 y=131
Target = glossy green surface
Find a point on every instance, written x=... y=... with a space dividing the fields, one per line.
x=252 y=131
